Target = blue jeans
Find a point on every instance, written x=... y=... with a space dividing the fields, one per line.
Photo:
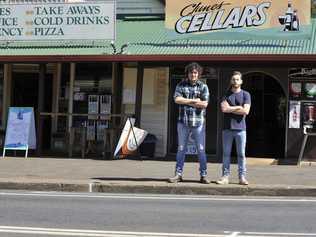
x=198 y=134
x=240 y=140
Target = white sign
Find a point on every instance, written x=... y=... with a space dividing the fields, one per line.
x=124 y=135
x=20 y=132
x=295 y=114
x=130 y=139
x=92 y=20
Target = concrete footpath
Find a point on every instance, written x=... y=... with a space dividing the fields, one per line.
x=135 y=176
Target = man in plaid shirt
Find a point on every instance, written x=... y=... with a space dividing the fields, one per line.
x=192 y=96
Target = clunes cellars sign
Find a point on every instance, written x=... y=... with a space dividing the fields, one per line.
x=266 y=18
x=92 y=20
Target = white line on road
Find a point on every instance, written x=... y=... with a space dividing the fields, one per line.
x=152 y=197
x=100 y=233
x=94 y=233
x=277 y=234
x=234 y=234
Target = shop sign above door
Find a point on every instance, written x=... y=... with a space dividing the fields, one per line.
x=89 y=20
x=246 y=19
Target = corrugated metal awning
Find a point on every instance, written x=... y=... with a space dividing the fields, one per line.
x=148 y=40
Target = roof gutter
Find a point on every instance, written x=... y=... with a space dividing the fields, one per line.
x=156 y=58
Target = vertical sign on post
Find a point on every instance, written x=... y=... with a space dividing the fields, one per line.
x=20 y=132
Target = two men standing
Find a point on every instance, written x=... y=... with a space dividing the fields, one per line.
x=192 y=95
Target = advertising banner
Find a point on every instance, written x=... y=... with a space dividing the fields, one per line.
x=91 y=20
x=267 y=19
x=130 y=139
x=309 y=113
x=20 y=132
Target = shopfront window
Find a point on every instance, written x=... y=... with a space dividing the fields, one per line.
x=129 y=88
x=302 y=111
x=92 y=92
x=63 y=97
x=154 y=108
x=154 y=113
x=89 y=94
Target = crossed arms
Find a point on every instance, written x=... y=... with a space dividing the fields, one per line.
x=196 y=103
x=225 y=107
x=240 y=110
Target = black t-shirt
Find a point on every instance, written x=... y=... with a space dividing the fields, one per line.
x=235 y=121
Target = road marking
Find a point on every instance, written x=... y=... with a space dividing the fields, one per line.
x=94 y=233
x=152 y=197
x=234 y=234
x=101 y=233
x=278 y=234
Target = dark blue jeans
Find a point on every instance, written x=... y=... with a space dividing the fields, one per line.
x=198 y=134
x=240 y=140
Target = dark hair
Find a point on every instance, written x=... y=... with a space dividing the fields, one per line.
x=237 y=73
x=193 y=66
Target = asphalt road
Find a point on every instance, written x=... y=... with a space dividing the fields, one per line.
x=76 y=214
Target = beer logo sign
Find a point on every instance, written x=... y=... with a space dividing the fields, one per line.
x=186 y=17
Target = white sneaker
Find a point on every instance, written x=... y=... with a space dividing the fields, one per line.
x=223 y=180
x=243 y=181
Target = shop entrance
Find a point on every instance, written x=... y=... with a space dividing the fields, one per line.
x=25 y=94
x=267 y=119
x=25 y=90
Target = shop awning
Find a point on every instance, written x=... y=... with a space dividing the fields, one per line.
x=148 y=41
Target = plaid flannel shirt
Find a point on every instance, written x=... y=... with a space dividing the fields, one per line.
x=189 y=115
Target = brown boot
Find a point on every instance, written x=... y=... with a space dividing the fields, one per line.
x=177 y=178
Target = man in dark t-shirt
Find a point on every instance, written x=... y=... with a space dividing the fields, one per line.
x=235 y=106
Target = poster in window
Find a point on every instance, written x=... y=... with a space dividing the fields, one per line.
x=295 y=90
x=310 y=90
x=294 y=114
x=309 y=112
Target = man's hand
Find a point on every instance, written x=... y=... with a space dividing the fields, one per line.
x=240 y=110
x=244 y=110
x=226 y=108
x=196 y=103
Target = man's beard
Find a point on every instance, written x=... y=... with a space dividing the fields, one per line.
x=236 y=86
